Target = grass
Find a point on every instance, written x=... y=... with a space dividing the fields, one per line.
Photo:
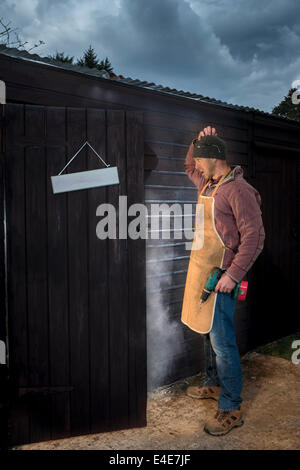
x=281 y=347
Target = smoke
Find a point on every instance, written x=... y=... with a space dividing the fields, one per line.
x=164 y=333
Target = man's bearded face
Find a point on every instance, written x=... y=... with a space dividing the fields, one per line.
x=206 y=166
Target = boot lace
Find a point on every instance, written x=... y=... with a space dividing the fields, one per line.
x=221 y=415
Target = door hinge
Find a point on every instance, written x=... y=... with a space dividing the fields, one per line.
x=43 y=390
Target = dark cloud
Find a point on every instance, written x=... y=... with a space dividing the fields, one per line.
x=242 y=52
x=257 y=27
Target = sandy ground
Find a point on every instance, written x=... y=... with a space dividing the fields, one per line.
x=271 y=406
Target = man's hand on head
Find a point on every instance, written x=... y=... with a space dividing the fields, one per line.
x=208 y=130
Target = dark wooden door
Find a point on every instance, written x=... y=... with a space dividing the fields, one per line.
x=272 y=280
x=75 y=303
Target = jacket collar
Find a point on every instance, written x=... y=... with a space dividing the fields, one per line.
x=237 y=171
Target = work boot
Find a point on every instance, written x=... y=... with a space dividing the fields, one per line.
x=204 y=391
x=223 y=422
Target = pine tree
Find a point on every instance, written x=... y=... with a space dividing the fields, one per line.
x=61 y=57
x=89 y=59
x=105 y=65
x=287 y=108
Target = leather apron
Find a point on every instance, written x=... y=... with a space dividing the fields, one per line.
x=199 y=317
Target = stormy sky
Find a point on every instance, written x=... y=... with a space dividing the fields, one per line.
x=243 y=52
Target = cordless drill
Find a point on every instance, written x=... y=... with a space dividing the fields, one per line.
x=238 y=292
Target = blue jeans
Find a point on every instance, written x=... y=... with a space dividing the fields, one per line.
x=222 y=358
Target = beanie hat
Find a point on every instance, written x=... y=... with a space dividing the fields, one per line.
x=209 y=146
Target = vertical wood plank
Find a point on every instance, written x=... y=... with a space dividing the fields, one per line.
x=78 y=279
x=292 y=169
x=98 y=281
x=2 y=240
x=118 y=278
x=297 y=231
x=37 y=287
x=3 y=311
x=16 y=271
x=136 y=276
x=288 y=242
x=58 y=275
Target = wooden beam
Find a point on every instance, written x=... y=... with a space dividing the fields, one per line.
x=276 y=146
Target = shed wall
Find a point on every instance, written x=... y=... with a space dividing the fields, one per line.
x=170 y=123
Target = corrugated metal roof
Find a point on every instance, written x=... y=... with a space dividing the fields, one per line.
x=22 y=54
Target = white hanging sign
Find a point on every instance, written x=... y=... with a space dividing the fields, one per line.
x=84 y=179
x=2 y=92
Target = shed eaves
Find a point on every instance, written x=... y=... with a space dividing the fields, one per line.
x=23 y=54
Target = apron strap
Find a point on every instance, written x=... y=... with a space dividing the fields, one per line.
x=203 y=189
x=224 y=176
x=229 y=249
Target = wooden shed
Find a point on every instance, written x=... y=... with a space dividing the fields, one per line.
x=87 y=321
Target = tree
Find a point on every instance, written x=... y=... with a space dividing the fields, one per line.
x=18 y=43
x=61 y=57
x=89 y=59
x=105 y=65
x=287 y=108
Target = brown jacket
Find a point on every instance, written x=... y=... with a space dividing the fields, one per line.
x=237 y=217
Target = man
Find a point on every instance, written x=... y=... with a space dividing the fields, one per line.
x=233 y=238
